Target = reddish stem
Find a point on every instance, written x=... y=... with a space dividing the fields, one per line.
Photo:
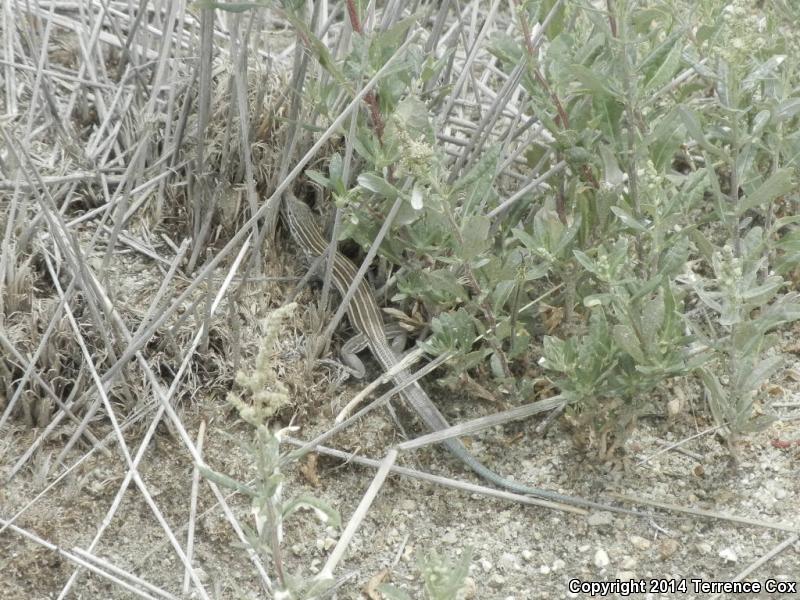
x=355 y=22
x=371 y=99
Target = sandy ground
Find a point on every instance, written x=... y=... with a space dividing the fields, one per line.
x=517 y=551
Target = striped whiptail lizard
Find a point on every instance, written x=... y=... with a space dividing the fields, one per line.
x=365 y=317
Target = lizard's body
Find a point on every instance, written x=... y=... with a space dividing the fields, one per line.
x=365 y=317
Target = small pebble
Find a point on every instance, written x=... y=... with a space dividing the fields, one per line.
x=527 y=555
x=508 y=562
x=640 y=543
x=703 y=547
x=601 y=560
x=667 y=548
x=728 y=555
x=469 y=589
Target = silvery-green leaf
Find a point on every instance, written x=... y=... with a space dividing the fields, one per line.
x=324 y=512
x=379 y=185
x=416 y=198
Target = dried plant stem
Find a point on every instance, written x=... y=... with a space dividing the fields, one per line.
x=125 y=580
x=358 y=516
x=193 y=508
